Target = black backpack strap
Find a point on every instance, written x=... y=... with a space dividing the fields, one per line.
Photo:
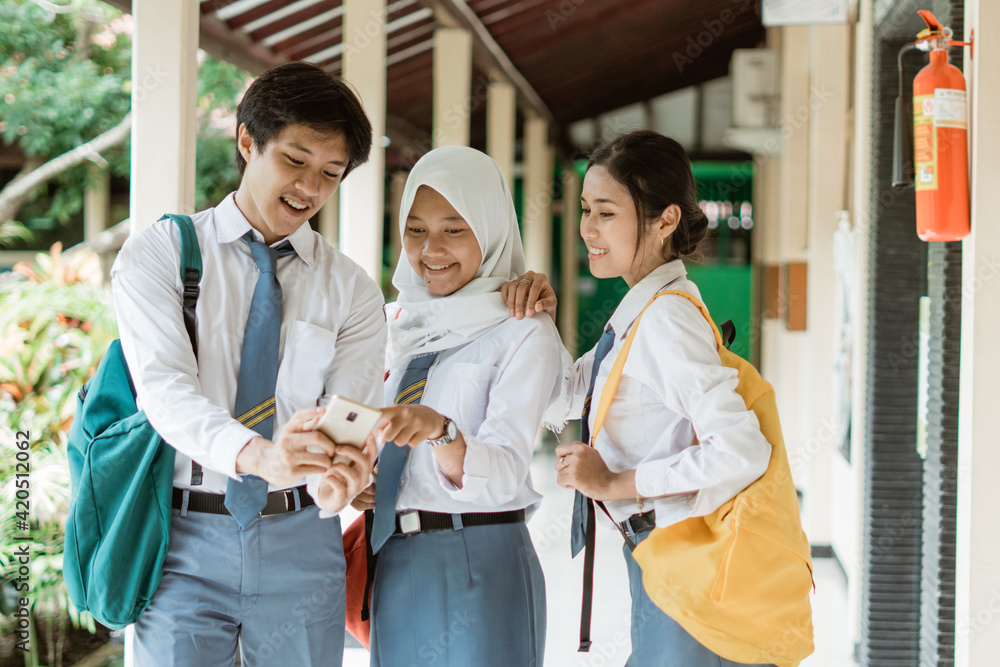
x=190 y=273
x=587 y=604
x=728 y=331
x=588 y=579
x=190 y=276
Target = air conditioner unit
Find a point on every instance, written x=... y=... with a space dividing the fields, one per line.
x=756 y=101
x=756 y=87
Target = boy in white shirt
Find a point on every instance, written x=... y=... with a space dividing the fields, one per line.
x=281 y=315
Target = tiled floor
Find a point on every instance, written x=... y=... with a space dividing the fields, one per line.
x=550 y=533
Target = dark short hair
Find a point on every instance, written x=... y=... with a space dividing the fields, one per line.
x=656 y=172
x=303 y=93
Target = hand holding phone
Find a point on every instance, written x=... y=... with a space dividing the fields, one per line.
x=347 y=422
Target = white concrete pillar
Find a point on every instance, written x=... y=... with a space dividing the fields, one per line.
x=795 y=121
x=827 y=162
x=96 y=200
x=766 y=255
x=164 y=96
x=452 y=85
x=501 y=126
x=536 y=208
x=396 y=186
x=847 y=538
x=568 y=297
x=790 y=346
x=766 y=247
x=329 y=219
x=977 y=595
x=164 y=126
x=362 y=196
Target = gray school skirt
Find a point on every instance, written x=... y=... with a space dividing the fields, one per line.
x=457 y=598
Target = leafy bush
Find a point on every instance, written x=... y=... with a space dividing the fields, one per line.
x=55 y=323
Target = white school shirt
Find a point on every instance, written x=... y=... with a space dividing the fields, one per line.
x=332 y=335
x=673 y=394
x=495 y=389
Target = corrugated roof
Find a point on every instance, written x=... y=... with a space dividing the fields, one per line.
x=582 y=57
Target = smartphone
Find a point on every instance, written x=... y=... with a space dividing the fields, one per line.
x=347 y=422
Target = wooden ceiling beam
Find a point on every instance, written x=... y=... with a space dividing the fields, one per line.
x=235 y=47
x=334 y=9
x=492 y=58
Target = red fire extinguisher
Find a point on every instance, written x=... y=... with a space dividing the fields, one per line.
x=940 y=132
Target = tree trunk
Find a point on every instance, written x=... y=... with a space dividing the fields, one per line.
x=30 y=164
x=18 y=190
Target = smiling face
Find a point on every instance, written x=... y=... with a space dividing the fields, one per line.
x=439 y=244
x=609 y=226
x=287 y=181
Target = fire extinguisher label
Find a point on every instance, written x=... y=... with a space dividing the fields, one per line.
x=950 y=108
x=925 y=155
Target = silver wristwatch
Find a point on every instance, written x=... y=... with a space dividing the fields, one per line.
x=450 y=433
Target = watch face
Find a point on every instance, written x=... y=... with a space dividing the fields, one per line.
x=452 y=430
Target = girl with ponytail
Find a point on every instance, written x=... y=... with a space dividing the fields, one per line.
x=677 y=441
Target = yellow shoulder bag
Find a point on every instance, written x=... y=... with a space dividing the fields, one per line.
x=738 y=579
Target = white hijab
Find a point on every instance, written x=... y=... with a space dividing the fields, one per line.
x=475 y=185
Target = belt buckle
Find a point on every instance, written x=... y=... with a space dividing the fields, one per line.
x=277 y=503
x=409 y=522
x=634 y=525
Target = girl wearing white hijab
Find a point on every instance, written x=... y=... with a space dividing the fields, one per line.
x=458 y=582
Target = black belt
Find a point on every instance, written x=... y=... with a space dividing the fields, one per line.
x=639 y=523
x=278 y=502
x=408 y=523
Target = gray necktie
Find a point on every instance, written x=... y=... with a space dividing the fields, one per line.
x=258 y=373
x=578 y=527
x=392 y=460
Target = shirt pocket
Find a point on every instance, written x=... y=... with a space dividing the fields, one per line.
x=466 y=394
x=626 y=419
x=308 y=356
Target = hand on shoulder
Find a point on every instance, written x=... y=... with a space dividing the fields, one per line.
x=530 y=294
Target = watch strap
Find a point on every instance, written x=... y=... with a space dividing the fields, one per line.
x=446 y=438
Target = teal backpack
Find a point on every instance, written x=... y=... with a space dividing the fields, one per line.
x=122 y=476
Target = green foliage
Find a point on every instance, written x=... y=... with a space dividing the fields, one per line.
x=219 y=87
x=65 y=78
x=59 y=88
x=12 y=230
x=54 y=327
x=216 y=168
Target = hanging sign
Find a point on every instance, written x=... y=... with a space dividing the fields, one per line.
x=803 y=12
